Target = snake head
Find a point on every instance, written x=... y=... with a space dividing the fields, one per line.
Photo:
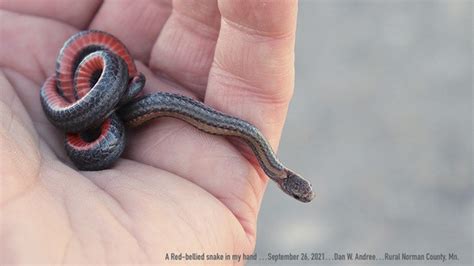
x=297 y=187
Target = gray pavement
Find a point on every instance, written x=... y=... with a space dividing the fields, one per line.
x=381 y=123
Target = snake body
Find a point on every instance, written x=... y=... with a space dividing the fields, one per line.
x=95 y=92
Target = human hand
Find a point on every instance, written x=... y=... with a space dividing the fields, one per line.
x=176 y=189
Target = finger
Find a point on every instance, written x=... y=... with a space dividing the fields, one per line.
x=30 y=44
x=74 y=13
x=206 y=160
x=185 y=47
x=253 y=71
x=136 y=23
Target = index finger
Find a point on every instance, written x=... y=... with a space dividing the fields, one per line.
x=252 y=75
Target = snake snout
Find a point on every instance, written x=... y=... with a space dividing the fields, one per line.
x=297 y=187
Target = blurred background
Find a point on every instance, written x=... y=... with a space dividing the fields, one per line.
x=381 y=123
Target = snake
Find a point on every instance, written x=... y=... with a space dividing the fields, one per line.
x=96 y=93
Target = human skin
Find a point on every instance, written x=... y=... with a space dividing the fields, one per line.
x=175 y=189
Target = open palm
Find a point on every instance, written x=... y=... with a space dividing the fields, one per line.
x=175 y=189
